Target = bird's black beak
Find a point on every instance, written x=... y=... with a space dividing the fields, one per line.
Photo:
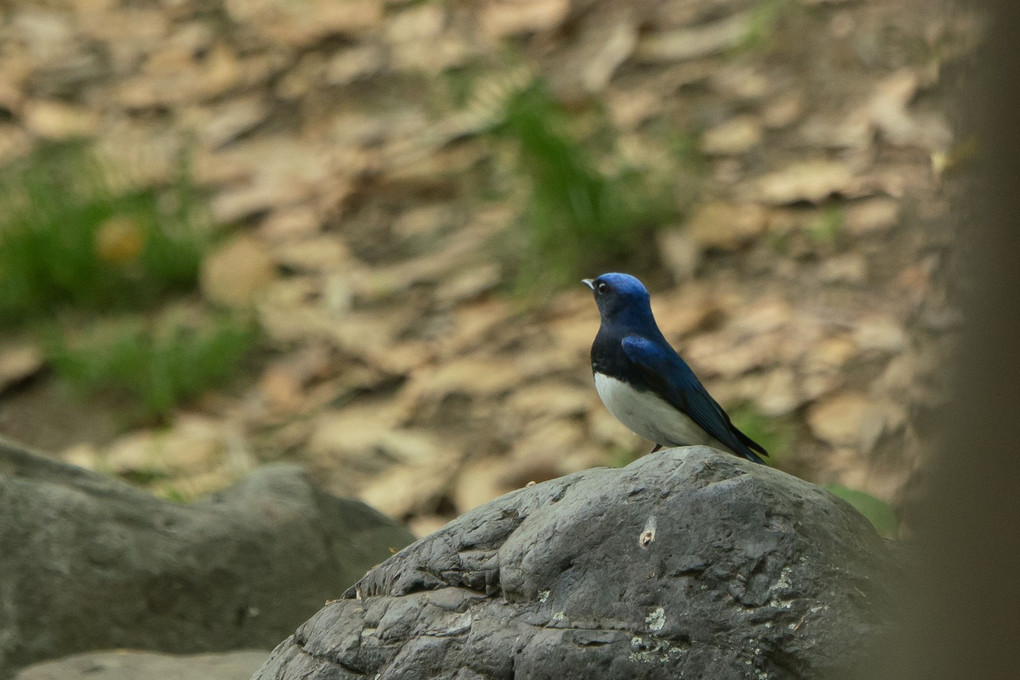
x=589 y=283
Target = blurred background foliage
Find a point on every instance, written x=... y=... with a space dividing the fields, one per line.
x=87 y=255
x=298 y=234
x=152 y=366
x=76 y=237
x=580 y=218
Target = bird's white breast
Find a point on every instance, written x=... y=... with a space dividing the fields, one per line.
x=650 y=416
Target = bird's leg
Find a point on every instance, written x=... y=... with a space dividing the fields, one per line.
x=655 y=448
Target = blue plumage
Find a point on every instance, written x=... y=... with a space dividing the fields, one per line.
x=645 y=383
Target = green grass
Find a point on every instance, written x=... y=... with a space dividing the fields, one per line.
x=766 y=16
x=71 y=237
x=155 y=368
x=777 y=435
x=878 y=512
x=581 y=219
x=79 y=242
x=779 y=241
x=684 y=147
x=619 y=457
x=175 y=494
x=827 y=227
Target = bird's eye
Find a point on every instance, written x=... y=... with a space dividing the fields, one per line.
x=602 y=287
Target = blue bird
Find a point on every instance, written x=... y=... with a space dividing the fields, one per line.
x=643 y=381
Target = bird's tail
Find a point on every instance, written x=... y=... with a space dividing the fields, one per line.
x=751 y=448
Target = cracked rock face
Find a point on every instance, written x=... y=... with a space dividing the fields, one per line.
x=686 y=563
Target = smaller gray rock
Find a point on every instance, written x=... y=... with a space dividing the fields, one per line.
x=126 y=664
x=88 y=562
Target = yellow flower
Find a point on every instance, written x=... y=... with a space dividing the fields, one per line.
x=119 y=240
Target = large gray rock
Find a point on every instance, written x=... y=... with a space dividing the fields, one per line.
x=87 y=562
x=688 y=563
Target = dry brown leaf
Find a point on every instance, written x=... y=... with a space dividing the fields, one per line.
x=806 y=181
x=725 y=226
x=59 y=120
x=734 y=137
x=872 y=215
x=18 y=363
x=504 y=18
x=237 y=272
x=693 y=43
x=840 y=419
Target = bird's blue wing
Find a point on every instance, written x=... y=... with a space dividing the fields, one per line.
x=670 y=377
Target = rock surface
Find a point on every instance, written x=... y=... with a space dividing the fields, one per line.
x=686 y=563
x=124 y=664
x=91 y=563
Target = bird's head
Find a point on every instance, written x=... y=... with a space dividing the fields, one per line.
x=620 y=297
